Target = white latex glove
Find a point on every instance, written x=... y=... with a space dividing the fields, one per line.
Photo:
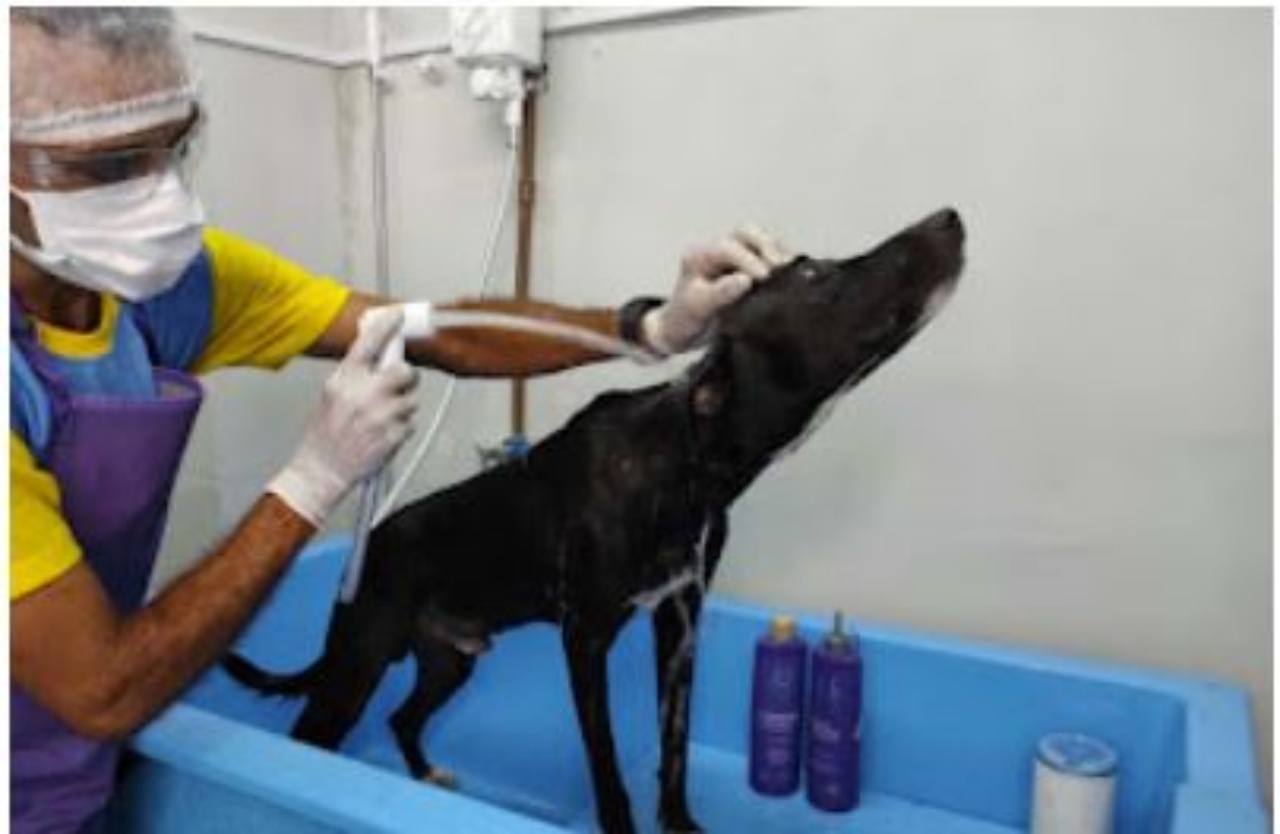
x=711 y=278
x=363 y=417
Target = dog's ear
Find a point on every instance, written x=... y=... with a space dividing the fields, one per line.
x=711 y=384
x=709 y=399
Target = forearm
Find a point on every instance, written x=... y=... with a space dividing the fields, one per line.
x=711 y=278
x=485 y=352
x=492 y=352
x=159 y=650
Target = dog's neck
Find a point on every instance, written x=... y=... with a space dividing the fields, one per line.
x=740 y=419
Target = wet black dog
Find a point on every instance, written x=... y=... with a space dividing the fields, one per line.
x=625 y=506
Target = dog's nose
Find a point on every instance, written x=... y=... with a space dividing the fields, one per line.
x=948 y=219
x=943 y=228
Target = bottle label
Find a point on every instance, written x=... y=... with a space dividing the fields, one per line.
x=777 y=722
x=827 y=732
x=782 y=681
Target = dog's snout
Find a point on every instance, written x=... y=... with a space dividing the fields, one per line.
x=942 y=234
x=946 y=220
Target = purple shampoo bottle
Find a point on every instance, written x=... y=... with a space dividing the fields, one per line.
x=835 y=722
x=777 y=701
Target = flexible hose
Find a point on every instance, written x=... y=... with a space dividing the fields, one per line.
x=486 y=268
x=374 y=485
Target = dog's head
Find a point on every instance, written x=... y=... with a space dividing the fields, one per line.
x=816 y=328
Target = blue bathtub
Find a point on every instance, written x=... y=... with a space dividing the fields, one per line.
x=949 y=733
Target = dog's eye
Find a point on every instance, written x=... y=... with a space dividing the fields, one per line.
x=806 y=269
x=878 y=329
x=898 y=323
x=813 y=270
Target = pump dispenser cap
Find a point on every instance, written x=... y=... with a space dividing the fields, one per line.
x=837 y=639
x=782 y=628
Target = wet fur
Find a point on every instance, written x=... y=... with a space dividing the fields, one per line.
x=624 y=506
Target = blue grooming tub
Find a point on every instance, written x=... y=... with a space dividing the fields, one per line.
x=950 y=733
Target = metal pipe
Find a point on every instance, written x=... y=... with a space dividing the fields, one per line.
x=524 y=234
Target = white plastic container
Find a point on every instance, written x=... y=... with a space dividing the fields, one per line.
x=496 y=36
x=1075 y=781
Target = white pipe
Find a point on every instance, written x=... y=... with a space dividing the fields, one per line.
x=373 y=37
x=374 y=486
x=381 y=241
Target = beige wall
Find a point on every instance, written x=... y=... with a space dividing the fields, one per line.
x=1075 y=456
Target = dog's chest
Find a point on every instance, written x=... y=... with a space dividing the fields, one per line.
x=684 y=568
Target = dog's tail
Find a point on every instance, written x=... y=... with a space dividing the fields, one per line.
x=268 y=683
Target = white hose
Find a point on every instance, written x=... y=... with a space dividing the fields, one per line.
x=443 y=319
x=486 y=267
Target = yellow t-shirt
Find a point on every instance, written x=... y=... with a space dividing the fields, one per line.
x=239 y=305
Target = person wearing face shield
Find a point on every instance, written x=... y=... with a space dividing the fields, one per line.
x=121 y=295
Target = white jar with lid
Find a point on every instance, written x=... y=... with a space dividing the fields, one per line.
x=1075 y=780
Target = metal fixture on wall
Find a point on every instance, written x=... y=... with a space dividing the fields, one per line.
x=524 y=230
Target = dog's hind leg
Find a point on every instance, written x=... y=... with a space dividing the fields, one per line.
x=675 y=624
x=353 y=666
x=441 y=670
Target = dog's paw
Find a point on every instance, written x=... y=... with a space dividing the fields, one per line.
x=689 y=827
x=441 y=779
x=618 y=822
x=679 y=824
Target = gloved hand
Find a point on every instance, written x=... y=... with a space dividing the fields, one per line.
x=363 y=417
x=711 y=278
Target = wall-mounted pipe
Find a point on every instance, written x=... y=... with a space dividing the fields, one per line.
x=524 y=233
x=378 y=195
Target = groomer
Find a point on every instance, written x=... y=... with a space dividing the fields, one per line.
x=119 y=297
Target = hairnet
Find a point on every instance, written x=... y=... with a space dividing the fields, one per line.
x=82 y=74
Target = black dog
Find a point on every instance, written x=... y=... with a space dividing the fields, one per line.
x=625 y=506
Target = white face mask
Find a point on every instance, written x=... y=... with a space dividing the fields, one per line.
x=133 y=238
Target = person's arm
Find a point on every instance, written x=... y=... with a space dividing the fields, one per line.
x=711 y=277
x=483 y=352
x=105 y=674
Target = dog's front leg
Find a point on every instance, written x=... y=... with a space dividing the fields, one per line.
x=675 y=625
x=588 y=654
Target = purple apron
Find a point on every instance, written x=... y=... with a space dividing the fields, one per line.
x=115 y=460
